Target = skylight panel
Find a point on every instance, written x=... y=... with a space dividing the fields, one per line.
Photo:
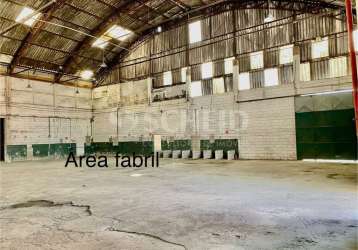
x=118 y=32
x=86 y=74
x=24 y=15
x=101 y=42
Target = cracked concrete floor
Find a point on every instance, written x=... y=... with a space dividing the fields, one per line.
x=183 y=204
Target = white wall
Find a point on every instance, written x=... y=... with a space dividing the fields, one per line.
x=263 y=120
x=39 y=112
x=204 y=116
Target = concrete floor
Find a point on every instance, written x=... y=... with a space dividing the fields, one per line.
x=183 y=204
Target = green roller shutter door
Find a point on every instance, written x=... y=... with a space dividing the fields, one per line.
x=326 y=135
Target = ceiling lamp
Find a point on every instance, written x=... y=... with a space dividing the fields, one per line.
x=24 y=15
x=159 y=29
x=103 y=65
x=86 y=74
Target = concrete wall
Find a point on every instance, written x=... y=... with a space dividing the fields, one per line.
x=270 y=132
x=42 y=113
x=265 y=128
x=203 y=116
x=261 y=120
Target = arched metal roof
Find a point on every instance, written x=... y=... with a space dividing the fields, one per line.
x=61 y=40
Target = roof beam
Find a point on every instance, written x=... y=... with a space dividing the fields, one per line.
x=50 y=48
x=153 y=10
x=181 y=5
x=47 y=31
x=34 y=32
x=83 y=11
x=130 y=15
x=128 y=7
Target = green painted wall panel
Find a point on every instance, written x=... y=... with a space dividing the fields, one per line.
x=40 y=150
x=176 y=145
x=326 y=135
x=17 y=152
x=220 y=144
x=140 y=148
x=62 y=150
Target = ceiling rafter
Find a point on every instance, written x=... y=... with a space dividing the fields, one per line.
x=83 y=11
x=128 y=14
x=181 y=5
x=50 y=48
x=33 y=33
x=71 y=23
x=46 y=31
x=126 y=8
x=153 y=10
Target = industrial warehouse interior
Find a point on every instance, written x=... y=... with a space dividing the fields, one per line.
x=178 y=124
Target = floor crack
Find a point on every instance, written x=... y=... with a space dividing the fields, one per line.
x=112 y=229
x=46 y=203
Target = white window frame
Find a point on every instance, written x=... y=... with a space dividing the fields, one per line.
x=305 y=72
x=271 y=77
x=229 y=65
x=257 y=60
x=320 y=49
x=286 y=54
x=196 y=89
x=338 y=67
x=195 y=31
x=218 y=85
x=355 y=39
x=183 y=74
x=207 y=70
x=244 y=81
x=167 y=78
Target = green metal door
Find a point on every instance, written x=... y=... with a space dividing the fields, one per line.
x=326 y=134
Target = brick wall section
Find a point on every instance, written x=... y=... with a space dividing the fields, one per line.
x=269 y=132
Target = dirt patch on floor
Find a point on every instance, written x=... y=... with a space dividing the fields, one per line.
x=46 y=203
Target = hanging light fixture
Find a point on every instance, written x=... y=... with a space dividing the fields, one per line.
x=103 y=64
x=28 y=80
x=77 y=91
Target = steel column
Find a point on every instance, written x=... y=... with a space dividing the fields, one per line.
x=353 y=59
